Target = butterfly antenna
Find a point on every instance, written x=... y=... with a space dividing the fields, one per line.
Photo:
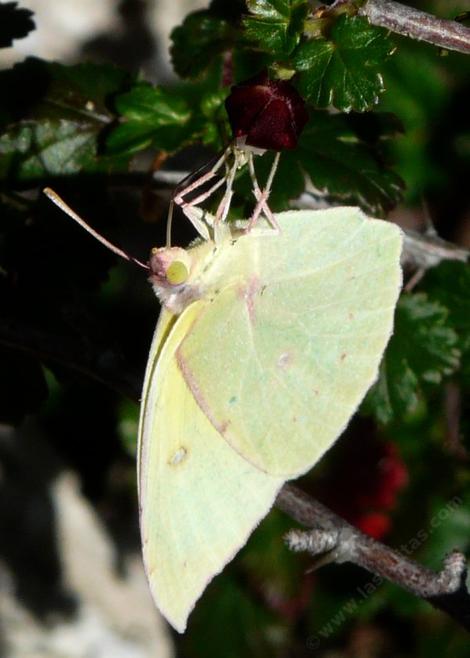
x=60 y=203
x=169 y=222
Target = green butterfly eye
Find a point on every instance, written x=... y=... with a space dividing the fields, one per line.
x=177 y=273
x=169 y=266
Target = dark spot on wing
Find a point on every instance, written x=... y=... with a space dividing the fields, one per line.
x=178 y=456
x=285 y=360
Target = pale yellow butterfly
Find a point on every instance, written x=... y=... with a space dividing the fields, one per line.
x=266 y=344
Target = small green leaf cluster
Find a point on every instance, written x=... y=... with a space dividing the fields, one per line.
x=422 y=351
x=93 y=118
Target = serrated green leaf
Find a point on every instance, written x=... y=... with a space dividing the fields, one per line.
x=15 y=23
x=275 y=26
x=202 y=37
x=422 y=350
x=155 y=117
x=343 y=70
x=449 y=284
x=166 y=119
x=344 y=167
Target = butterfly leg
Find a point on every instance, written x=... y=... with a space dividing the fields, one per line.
x=224 y=205
x=262 y=196
x=184 y=189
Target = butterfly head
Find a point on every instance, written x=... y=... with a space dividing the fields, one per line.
x=169 y=266
x=170 y=274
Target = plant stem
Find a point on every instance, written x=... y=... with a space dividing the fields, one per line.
x=445 y=590
x=417 y=24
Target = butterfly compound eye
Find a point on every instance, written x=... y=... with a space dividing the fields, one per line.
x=169 y=266
x=177 y=273
x=268 y=114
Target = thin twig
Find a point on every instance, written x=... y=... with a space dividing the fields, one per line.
x=445 y=590
x=417 y=24
x=426 y=250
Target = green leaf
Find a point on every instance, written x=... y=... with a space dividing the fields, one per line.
x=155 y=117
x=166 y=119
x=343 y=166
x=14 y=23
x=344 y=69
x=422 y=350
x=32 y=150
x=275 y=26
x=153 y=104
x=55 y=116
x=449 y=284
x=201 y=38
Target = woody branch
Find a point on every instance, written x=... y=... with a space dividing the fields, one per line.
x=332 y=539
x=417 y=24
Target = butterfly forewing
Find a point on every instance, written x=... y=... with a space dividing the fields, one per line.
x=298 y=340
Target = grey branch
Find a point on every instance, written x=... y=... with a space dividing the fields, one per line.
x=334 y=540
x=411 y=22
x=426 y=250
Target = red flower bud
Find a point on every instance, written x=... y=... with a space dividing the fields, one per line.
x=269 y=114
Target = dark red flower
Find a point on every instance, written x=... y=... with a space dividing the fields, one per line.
x=269 y=114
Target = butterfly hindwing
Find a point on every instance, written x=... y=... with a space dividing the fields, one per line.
x=199 y=500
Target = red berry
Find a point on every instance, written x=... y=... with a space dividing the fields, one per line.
x=374 y=524
x=269 y=114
